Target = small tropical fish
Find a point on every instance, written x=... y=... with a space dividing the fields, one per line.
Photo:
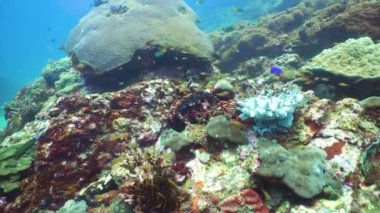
x=267 y=196
x=276 y=70
x=199 y=2
x=343 y=84
x=325 y=79
x=62 y=47
x=160 y=52
x=236 y=10
x=358 y=80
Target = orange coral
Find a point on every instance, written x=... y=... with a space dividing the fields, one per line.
x=248 y=198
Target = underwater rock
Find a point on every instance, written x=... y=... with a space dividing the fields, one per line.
x=95 y=42
x=288 y=59
x=274 y=35
x=224 y=85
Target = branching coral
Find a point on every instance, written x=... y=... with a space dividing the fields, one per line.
x=272 y=110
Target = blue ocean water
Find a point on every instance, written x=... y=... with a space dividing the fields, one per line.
x=31 y=33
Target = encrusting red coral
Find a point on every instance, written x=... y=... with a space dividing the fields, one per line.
x=334 y=149
x=248 y=198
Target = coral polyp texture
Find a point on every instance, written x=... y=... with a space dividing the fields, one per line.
x=141 y=24
x=355 y=58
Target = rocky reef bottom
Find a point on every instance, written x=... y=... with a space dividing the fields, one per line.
x=228 y=143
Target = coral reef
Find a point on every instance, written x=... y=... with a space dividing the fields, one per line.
x=156 y=131
x=76 y=144
x=305 y=29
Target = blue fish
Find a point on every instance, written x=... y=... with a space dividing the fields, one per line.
x=276 y=70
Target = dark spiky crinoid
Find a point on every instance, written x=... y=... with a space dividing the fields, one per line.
x=159 y=193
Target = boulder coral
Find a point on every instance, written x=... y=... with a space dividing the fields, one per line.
x=113 y=32
x=301 y=169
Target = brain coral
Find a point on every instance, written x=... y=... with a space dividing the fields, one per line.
x=355 y=58
x=110 y=34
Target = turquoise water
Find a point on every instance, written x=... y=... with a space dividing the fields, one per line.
x=32 y=32
x=3 y=122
